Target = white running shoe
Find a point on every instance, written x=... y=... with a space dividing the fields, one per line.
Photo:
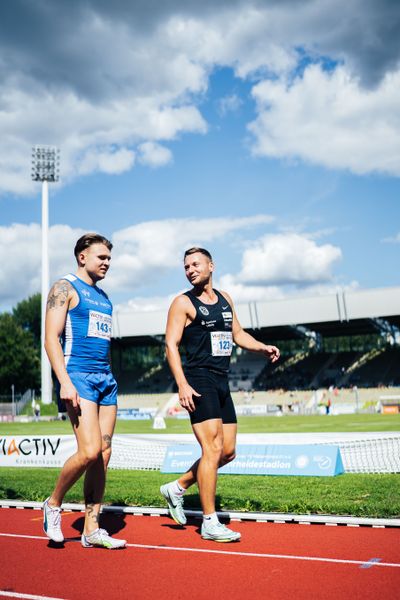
x=217 y=532
x=52 y=522
x=99 y=538
x=175 y=504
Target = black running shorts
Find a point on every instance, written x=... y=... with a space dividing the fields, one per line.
x=215 y=401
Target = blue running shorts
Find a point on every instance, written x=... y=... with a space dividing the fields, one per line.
x=97 y=387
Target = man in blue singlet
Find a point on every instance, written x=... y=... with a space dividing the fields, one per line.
x=78 y=335
x=204 y=321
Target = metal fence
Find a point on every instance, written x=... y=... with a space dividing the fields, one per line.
x=13 y=404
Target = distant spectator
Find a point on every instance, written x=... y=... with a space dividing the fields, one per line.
x=36 y=411
x=328 y=406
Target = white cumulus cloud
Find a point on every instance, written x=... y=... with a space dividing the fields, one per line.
x=290 y=258
x=327 y=118
x=154 y=155
x=109 y=161
x=145 y=251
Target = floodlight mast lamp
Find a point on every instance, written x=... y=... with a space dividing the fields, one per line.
x=45 y=168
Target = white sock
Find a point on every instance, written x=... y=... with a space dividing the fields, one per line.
x=212 y=518
x=176 y=488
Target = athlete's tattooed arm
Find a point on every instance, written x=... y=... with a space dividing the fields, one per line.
x=58 y=294
x=59 y=301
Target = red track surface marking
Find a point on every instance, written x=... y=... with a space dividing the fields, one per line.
x=274 y=561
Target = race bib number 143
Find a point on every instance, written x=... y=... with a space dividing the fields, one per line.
x=99 y=325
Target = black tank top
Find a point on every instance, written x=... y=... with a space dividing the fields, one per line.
x=208 y=338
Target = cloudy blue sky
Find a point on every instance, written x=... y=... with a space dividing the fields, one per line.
x=267 y=131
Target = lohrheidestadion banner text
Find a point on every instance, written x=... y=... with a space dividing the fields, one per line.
x=306 y=459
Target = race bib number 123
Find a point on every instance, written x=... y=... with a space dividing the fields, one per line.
x=221 y=343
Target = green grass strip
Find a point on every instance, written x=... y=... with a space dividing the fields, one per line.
x=368 y=495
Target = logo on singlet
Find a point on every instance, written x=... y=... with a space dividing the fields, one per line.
x=86 y=293
x=203 y=310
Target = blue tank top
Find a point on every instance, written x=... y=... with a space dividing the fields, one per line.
x=208 y=338
x=87 y=334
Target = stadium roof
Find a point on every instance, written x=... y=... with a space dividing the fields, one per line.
x=343 y=313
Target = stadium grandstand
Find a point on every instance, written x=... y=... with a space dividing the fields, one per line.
x=345 y=346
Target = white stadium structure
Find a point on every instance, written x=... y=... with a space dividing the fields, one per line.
x=343 y=339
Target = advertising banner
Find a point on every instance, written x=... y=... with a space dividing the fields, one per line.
x=309 y=459
x=36 y=450
x=260 y=459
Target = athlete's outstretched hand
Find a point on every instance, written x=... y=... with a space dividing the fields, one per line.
x=68 y=393
x=272 y=352
x=186 y=393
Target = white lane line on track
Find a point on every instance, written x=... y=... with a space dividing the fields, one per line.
x=262 y=555
x=20 y=535
x=27 y=596
x=224 y=552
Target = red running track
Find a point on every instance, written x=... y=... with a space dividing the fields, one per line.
x=164 y=561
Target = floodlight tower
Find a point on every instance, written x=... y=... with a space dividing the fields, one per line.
x=45 y=168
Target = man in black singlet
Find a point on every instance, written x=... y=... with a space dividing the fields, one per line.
x=204 y=321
